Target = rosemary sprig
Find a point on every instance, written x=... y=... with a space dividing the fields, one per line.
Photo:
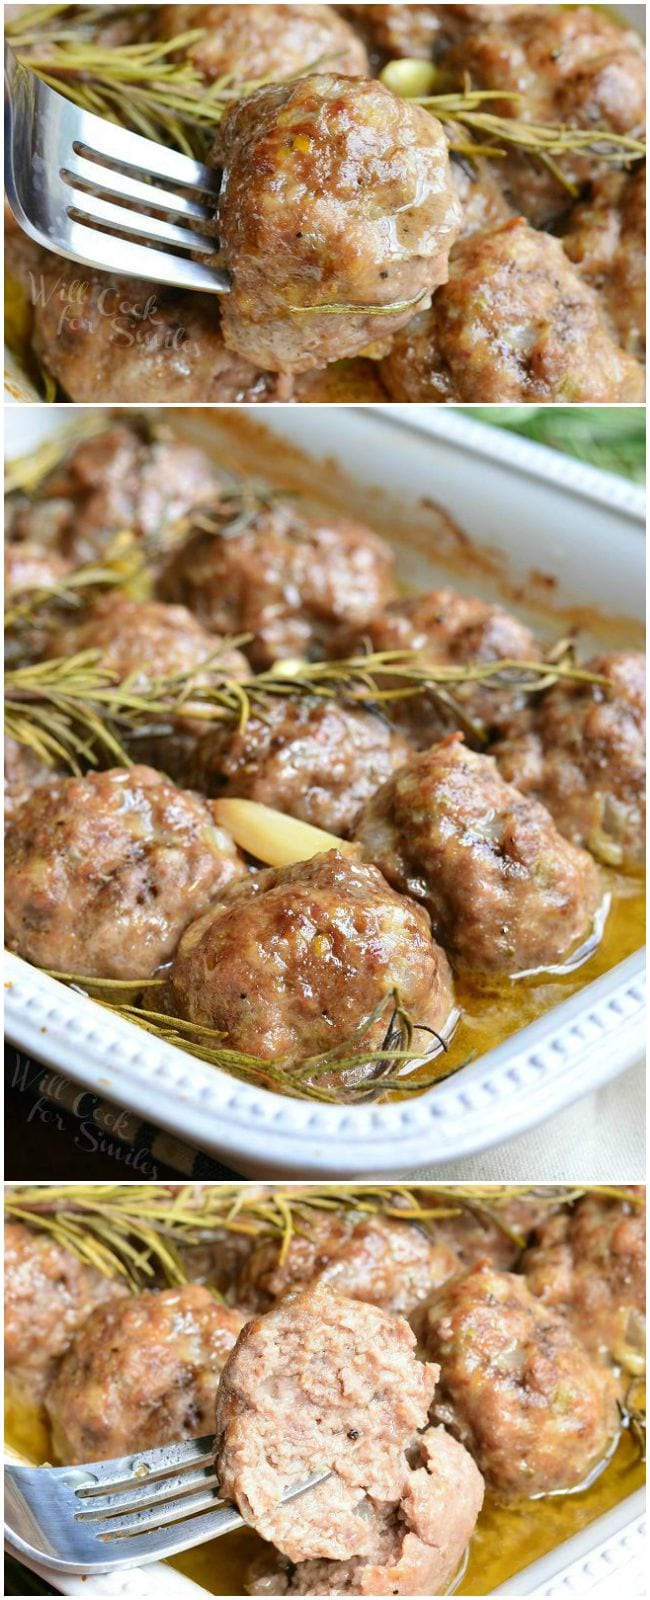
x=136 y=1233
x=346 y=1074
x=545 y=140
x=71 y=708
x=24 y=474
x=123 y=568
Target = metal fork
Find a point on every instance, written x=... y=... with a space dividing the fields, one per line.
x=78 y=185
x=110 y=1514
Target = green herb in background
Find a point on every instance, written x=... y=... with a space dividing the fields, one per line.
x=611 y=437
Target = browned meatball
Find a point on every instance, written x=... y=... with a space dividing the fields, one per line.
x=506 y=893
x=605 y=237
x=418 y=1544
x=49 y=1293
x=335 y=192
x=293 y=962
x=514 y=322
x=141 y=1373
x=588 y=1263
x=24 y=772
x=287 y=579
x=535 y=1412
x=131 y=341
x=314 y=759
x=583 y=755
x=389 y=1263
x=449 y=629
x=264 y=41
x=29 y=567
x=320 y=1381
x=116 y=480
x=103 y=873
x=483 y=201
x=573 y=65
x=411 y=31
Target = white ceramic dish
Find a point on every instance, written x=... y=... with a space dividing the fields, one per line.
x=536 y=508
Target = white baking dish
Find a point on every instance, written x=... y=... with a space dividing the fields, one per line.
x=536 y=509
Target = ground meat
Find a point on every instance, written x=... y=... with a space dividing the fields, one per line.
x=514 y=322
x=400 y=31
x=583 y=755
x=293 y=962
x=264 y=41
x=535 y=1412
x=449 y=629
x=141 y=1373
x=572 y=65
x=122 y=340
x=335 y=192
x=24 y=772
x=505 y=891
x=418 y=1545
x=49 y=1293
x=289 y=580
x=103 y=873
x=145 y=639
x=116 y=480
x=605 y=237
x=588 y=1263
x=388 y=1263
x=484 y=203
x=474 y=1235
x=320 y=1382
x=28 y=566
x=314 y=759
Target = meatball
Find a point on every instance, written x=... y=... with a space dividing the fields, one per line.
x=583 y=756
x=514 y=322
x=605 y=238
x=289 y=580
x=293 y=962
x=417 y=1545
x=28 y=567
x=572 y=65
x=450 y=629
x=49 y=1293
x=141 y=1373
x=335 y=193
x=484 y=203
x=498 y=1233
x=505 y=892
x=24 y=772
x=115 y=480
x=588 y=1263
x=320 y=1382
x=535 y=1412
x=314 y=759
x=264 y=41
x=103 y=873
x=130 y=341
x=385 y=1262
x=400 y=31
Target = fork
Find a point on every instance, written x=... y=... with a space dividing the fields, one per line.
x=110 y=1514
x=78 y=185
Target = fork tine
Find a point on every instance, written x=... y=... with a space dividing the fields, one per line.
x=116 y=186
x=122 y=220
x=143 y=155
x=160 y=1515
x=124 y=1472
x=85 y=245
x=140 y=1497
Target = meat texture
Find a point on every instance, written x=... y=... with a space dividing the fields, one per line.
x=449 y=629
x=519 y=1391
x=583 y=755
x=319 y=760
x=515 y=322
x=327 y=1382
x=400 y=31
x=288 y=579
x=605 y=238
x=483 y=201
x=120 y=479
x=48 y=1295
x=335 y=193
x=506 y=893
x=570 y=65
x=24 y=772
x=29 y=567
x=389 y=1263
x=104 y=872
x=588 y=1263
x=140 y=1373
x=125 y=341
x=294 y=962
x=418 y=1545
x=264 y=41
